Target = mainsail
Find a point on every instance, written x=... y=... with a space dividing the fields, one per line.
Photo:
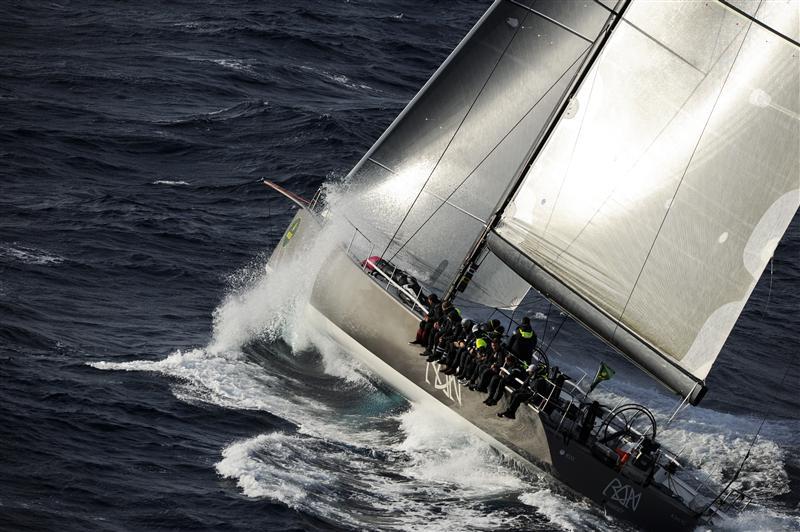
x=430 y=183
x=657 y=201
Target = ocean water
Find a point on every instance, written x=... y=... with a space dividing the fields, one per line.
x=153 y=377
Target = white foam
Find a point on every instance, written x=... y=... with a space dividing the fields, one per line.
x=257 y=481
x=171 y=183
x=566 y=514
x=761 y=519
x=433 y=478
x=341 y=79
x=233 y=64
x=442 y=452
x=239 y=65
x=29 y=255
x=272 y=305
x=226 y=380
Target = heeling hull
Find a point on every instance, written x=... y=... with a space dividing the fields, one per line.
x=353 y=309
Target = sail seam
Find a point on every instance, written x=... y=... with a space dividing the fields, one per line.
x=686 y=170
x=378 y=163
x=645 y=151
x=754 y=20
x=603 y=312
x=435 y=195
x=550 y=19
x=662 y=45
x=455 y=134
x=571 y=66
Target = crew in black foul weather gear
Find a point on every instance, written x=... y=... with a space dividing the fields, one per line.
x=523 y=342
x=501 y=381
x=425 y=326
x=535 y=385
x=477 y=356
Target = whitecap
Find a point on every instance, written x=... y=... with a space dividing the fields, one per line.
x=30 y=255
x=432 y=478
x=170 y=183
x=340 y=79
x=566 y=514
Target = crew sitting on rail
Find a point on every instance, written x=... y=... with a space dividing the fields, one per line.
x=493 y=358
x=461 y=347
x=443 y=330
x=533 y=387
x=494 y=373
x=426 y=324
x=447 y=335
x=498 y=384
x=523 y=342
x=440 y=324
x=475 y=354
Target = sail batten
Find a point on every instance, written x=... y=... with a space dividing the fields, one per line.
x=651 y=212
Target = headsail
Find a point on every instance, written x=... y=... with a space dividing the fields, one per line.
x=432 y=180
x=653 y=209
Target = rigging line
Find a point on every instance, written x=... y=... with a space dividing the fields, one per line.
x=752 y=19
x=612 y=11
x=547 y=320
x=556 y=333
x=640 y=30
x=552 y=20
x=496 y=146
x=455 y=133
x=769 y=293
x=645 y=151
x=685 y=171
x=574 y=147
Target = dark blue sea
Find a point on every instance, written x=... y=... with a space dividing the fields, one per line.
x=150 y=378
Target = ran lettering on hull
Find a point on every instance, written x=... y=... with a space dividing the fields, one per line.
x=623 y=494
x=447 y=383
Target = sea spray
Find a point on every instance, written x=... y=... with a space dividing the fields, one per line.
x=422 y=473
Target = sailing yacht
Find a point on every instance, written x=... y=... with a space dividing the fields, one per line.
x=634 y=162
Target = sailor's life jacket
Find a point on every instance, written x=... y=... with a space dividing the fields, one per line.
x=522 y=343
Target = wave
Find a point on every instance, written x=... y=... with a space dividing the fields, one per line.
x=434 y=476
x=339 y=79
x=239 y=65
x=29 y=255
x=170 y=183
x=246 y=109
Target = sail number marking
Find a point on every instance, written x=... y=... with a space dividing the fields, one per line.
x=623 y=494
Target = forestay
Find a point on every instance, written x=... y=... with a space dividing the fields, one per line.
x=655 y=206
x=424 y=192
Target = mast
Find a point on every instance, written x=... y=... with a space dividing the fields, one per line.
x=468 y=267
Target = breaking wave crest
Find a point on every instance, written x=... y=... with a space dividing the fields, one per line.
x=429 y=476
x=29 y=255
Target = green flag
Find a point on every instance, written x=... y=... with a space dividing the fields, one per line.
x=603 y=374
